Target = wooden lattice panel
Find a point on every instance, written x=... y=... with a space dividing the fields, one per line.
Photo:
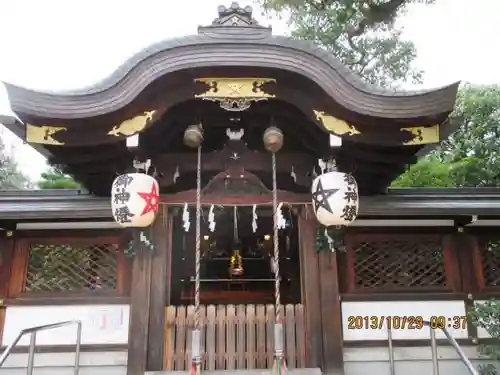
x=71 y=267
x=397 y=264
x=491 y=263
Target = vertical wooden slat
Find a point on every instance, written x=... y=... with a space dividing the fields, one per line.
x=270 y=320
x=221 y=337
x=290 y=336
x=233 y=337
x=240 y=336
x=168 y=356
x=300 y=336
x=251 y=355
x=203 y=334
x=210 y=340
x=261 y=336
x=189 y=335
x=230 y=338
x=180 y=338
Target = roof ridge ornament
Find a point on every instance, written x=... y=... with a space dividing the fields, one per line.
x=235 y=22
x=235 y=16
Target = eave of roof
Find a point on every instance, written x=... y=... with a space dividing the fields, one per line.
x=72 y=204
x=233 y=46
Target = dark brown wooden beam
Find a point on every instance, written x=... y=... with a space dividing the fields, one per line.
x=310 y=288
x=139 y=309
x=160 y=288
x=189 y=196
x=251 y=160
x=77 y=155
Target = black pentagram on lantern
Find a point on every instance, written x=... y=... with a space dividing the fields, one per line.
x=320 y=197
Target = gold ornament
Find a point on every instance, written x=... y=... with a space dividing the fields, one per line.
x=193 y=136
x=236 y=264
x=273 y=139
x=132 y=126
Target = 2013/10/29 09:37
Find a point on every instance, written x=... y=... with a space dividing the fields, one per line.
x=381 y=321
x=404 y=322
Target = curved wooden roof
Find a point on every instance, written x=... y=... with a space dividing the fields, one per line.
x=233 y=40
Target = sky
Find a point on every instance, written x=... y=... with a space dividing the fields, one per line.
x=61 y=44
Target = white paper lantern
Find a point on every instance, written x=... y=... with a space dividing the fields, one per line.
x=134 y=200
x=335 y=198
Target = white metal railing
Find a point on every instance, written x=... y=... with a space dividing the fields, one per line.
x=435 y=364
x=31 y=353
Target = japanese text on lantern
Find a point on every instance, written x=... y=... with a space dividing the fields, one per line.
x=121 y=197
x=350 y=210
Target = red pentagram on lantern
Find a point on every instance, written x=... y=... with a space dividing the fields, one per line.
x=151 y=200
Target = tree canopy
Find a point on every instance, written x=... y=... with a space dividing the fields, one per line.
x=11 y=178
x=470 y=157
x=54 y=178
x=361 y=33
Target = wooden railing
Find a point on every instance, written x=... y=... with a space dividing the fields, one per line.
x=233 y=336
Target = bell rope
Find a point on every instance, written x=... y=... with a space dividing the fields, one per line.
x=196 y=338
x=279 y=366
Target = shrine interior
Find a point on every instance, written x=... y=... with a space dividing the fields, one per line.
x=255 y=282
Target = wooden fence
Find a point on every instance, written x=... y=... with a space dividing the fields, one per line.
x=233 y=336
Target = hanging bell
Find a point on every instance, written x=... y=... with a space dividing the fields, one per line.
x=236 y=264
x=273 y=139
x=193 y=136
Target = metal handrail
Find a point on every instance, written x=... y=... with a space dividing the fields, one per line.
x=33 y=331
x=435 y=366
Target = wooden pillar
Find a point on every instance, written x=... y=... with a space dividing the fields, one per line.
x=466 y=254
x=310 y=288
x=331 y=314
x=6 y=255
x=139 y=309
x=160 y=288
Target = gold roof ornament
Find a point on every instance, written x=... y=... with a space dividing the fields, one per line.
x=422 y=135
x=43 y=134
x=132 y=126
x=335 y=125
x=235 y=94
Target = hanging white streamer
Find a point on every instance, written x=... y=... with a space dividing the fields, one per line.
x=145 y=240
x=211 y=219
x=329 y=240
x=254 y=218
x=281 y=218
x=185 y=218
x=273 y=266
